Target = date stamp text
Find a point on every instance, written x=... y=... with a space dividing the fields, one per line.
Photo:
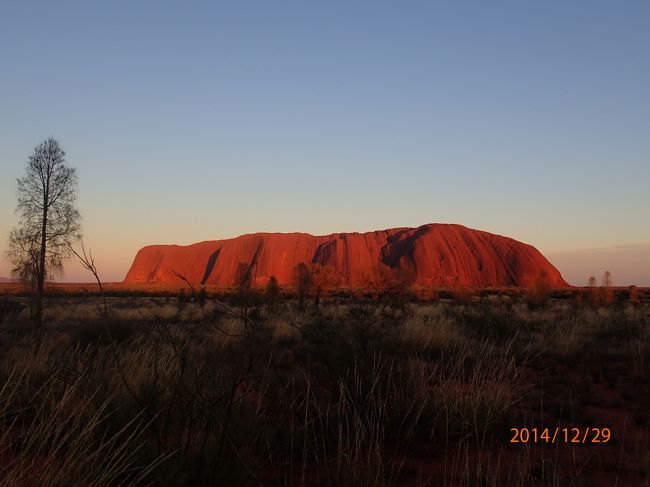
x=559 y=434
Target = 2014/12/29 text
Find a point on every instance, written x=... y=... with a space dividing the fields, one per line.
x=561 y=435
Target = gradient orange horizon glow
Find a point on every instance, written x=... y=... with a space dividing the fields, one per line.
x=629 y=264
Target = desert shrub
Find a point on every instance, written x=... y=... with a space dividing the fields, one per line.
x=463 y=295
x=246 y=298
x=272 y=292
x=9 y=307
x=201 y=297
x=326 y=348
x=539 y=294
x=578 y=300
x=633 y=293
x=16 y=328
x=102 y=330
x=594 y=297
x=484 y=322
x=606 y=295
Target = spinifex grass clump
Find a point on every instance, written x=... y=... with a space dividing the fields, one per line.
x=60 y=434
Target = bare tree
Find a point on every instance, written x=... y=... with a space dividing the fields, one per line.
x=243 y=277
x=302 y=280
x=607 y=292
x=48 y=219
x=591 y=282
x=88 y=262
x=607 y=279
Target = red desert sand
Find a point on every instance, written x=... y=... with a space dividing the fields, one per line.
x=430 y=255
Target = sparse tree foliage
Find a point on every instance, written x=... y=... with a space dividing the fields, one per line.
x=591 y=282
x=607 y=279
x=607 y=293
x=323 y=278
x=48 y=220
x=387 y=283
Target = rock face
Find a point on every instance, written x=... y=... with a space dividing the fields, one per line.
x=430 y=256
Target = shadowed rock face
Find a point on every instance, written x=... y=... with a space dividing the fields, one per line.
x=430 y=255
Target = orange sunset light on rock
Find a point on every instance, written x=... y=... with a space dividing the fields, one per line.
x=429 y=255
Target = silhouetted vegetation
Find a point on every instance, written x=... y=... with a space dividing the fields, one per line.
x=254 y=390
x=302 y=282
x=48 y=220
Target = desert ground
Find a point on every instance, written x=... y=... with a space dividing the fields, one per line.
x=179 y=387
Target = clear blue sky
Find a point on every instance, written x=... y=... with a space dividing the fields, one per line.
x=193 y=121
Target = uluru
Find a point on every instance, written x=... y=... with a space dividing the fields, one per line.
x=432 y=255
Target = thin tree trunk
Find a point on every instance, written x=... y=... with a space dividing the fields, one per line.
x=38 y=319
x=32 y=293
